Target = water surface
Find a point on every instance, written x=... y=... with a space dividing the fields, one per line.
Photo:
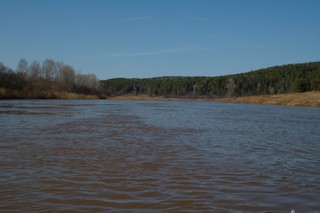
x=158 y=156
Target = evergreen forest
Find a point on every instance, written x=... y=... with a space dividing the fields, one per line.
x=50 y=78
x=274 y=80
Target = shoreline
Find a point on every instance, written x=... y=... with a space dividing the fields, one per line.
x=306 y=99
x=7 y=94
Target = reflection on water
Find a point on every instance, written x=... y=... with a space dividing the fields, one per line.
x=149 y=156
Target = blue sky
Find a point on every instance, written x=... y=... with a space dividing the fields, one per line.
x=137 y=38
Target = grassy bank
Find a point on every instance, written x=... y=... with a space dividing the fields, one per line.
x=44 y=94
x=308 y=99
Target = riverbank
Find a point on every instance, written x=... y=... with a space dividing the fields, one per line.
x=307 y=99
x=45 y=94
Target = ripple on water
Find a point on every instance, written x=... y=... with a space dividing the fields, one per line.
x=188 y=157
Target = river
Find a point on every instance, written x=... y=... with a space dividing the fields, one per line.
x=158 y=156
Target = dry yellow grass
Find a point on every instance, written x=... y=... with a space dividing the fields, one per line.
x=131 y=97
x=74 y=96
x=6 y=93
x=310 y=99
x=146 y=97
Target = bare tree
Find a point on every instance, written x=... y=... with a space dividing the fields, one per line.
x=231 y=86
x=58 y=65
x=48 y=69
x=67 y=75
x=2 y=68
x=94 y=82
x=87 y=80
x=81 y=80
x=194 y=89
x=22 y=66
x=34 y=70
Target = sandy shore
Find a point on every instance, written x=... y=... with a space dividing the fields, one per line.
x=308 y=99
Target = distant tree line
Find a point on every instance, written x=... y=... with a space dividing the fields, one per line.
x=44 y=80
x=47 y=79
x=274 y=80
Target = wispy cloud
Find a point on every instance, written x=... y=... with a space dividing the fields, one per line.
x=140 y=18
x=182 y=49
x=197 y=18
x=204 y=37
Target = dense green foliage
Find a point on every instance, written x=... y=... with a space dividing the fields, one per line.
x=279 y=79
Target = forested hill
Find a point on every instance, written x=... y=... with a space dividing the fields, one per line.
x=56 y=80
x=274 y=80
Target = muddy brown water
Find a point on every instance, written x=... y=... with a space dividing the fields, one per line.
x=158 y=156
